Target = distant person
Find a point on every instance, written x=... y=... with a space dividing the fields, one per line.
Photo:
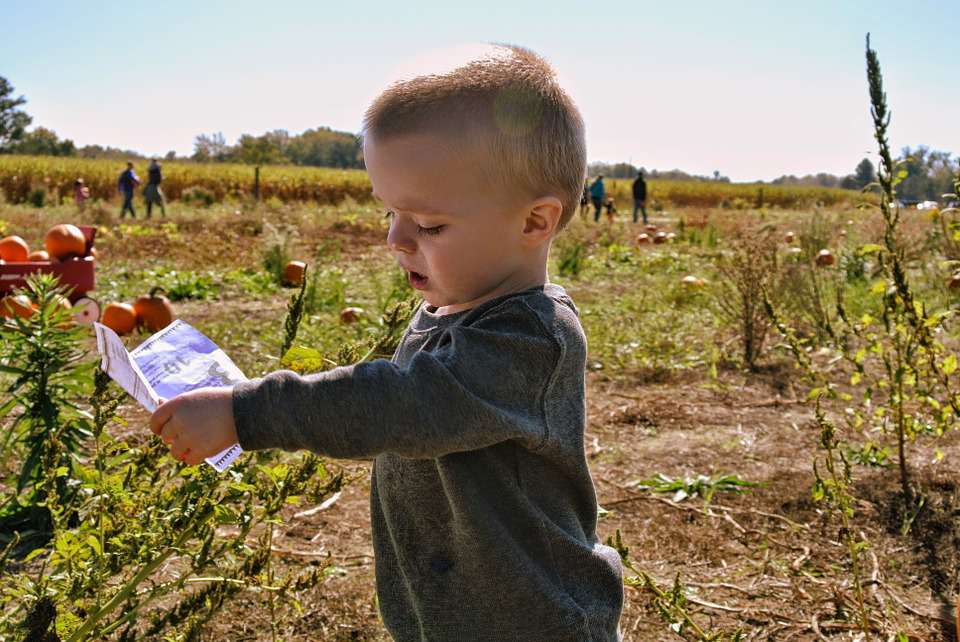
x=127 y=184
x=611 y=209
x=597 y=194
x=81 y=193
x=152 y=192
x=640 y=197
x=585 y=201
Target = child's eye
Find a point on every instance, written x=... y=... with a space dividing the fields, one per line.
x=431 y=231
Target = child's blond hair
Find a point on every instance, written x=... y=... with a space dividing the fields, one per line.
x=507 y=106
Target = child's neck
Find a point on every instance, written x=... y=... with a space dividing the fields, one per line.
x=513 y=283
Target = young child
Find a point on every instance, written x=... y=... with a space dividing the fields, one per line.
x=80 y=194
x=611 y=208
x=482 y=507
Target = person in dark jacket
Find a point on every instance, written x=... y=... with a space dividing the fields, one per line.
x=640 y=197
x=597 y=194
x=152 y=192
x=127 y=184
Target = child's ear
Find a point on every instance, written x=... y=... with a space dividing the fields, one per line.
x=543 y=217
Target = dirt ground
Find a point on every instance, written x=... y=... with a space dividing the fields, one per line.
x=767 y=562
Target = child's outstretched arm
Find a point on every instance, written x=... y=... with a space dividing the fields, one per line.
x=484 y=384
x=197 y=424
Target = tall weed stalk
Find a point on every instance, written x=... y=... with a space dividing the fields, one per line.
x=888 y=372
x=43 y=425
x=140 y=546
x=671 y=604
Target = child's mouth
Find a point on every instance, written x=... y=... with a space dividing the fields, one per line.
x=417 y=280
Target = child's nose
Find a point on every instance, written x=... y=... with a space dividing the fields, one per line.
x=400 y=237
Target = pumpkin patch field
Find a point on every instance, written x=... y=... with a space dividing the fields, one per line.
x=50 y=180
x=752 y=407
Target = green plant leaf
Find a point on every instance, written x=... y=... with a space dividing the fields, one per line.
x=949 y=364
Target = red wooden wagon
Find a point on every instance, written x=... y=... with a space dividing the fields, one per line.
x=76 y=273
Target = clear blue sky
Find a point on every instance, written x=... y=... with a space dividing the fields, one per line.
x=753 y=89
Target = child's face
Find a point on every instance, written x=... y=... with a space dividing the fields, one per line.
x=458 y=239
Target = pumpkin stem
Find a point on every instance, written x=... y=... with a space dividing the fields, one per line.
x=155 y=289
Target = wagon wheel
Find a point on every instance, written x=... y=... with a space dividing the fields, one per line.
x=86 y=311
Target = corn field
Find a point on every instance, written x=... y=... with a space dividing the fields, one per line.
x=20 y=176
x=732 y=195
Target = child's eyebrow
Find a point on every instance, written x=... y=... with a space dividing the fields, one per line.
x=417 y=208
x=422 y=210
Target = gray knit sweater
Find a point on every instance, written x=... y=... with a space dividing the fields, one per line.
x=483 y=511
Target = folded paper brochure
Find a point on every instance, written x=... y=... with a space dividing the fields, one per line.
x=174 y=360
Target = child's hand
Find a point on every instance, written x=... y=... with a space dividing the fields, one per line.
x=197 y=424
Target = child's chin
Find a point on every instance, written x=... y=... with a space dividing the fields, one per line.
x=435 y=301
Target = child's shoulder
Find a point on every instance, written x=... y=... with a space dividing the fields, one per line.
x=549 y=306
x=544 y=310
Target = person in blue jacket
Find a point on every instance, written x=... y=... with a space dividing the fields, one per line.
x=597 y=194
x=126 y=184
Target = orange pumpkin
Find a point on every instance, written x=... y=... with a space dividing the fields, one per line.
x=119 y=317
x=350 y=315
x=293 y=273
x=16 y=305
x=38 y=255
x=154 y=311
x=825 y=258
x=14 y=249
x=65 y=240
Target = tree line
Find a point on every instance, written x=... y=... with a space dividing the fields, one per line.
x=627 y=170
x=321 y=147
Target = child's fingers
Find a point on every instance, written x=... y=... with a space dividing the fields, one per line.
x=160 y=416
x=169 y=433
x=192 y=458
x=179 y=450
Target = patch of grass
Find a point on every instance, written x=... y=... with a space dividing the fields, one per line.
x=326 y=290
x=572 y=259
x=278 y=243
x=702 y=486
x=190 y=285
x=248 y=282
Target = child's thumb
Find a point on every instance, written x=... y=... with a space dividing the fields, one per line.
x=160 y=416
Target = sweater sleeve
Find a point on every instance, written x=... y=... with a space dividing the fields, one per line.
x=484 y=384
